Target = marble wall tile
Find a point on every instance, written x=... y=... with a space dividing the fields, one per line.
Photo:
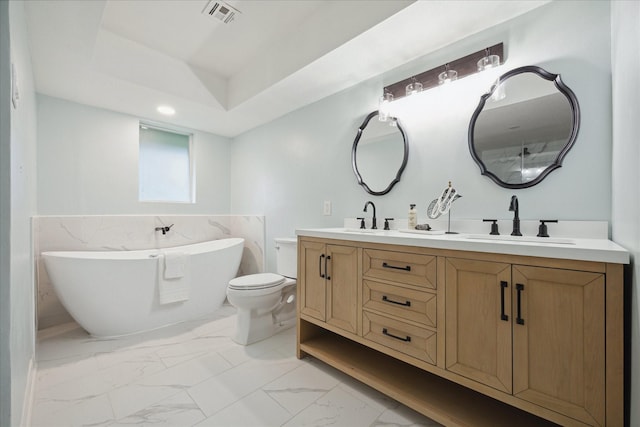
x=133 y=232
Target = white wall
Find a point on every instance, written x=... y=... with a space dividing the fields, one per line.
x=19 y=173
x=625 y=22
x=88 y=164
x=285 y=169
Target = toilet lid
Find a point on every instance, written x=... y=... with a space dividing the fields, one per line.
x=257 y=281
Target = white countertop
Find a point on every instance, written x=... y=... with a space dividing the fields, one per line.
x=598 y=250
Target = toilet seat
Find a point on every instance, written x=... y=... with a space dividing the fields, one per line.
x=256 y=281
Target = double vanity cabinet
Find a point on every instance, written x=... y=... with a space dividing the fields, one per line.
x=469 y=333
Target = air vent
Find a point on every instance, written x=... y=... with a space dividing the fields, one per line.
x=221 y=11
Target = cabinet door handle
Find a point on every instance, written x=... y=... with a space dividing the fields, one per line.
x=407 y=268
x=326 y=260
x=320 y=258
x=519 y=289
x=386 y=299
x=503 y=286
x=405 y=339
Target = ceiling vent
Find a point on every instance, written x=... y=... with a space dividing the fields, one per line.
x=221 y=11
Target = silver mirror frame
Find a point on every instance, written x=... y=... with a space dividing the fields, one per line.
x=354 y=150
x=575 y=111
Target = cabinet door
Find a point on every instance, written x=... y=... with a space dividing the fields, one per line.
x=311 y=280
x=559 y=338
x=342 y=287
x=478 y=321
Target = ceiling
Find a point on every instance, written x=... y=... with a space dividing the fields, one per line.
x=226 y=78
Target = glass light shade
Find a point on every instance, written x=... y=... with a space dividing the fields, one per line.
x=413 y=88
x=447 y=76
x=384 y=107
x=489 y=61
x=499 y=93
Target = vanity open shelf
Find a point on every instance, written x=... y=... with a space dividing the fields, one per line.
x=464 y=337
x=439 y=399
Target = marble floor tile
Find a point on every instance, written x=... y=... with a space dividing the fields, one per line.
x=337 y=408
x=254 y=410
x=193 y=374
x=178 y=410
x=301 y=387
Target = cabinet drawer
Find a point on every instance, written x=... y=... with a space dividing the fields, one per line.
x=404 y=303
x=412 y=340
x=411 y=269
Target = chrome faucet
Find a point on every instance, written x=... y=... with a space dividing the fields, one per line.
x=373 y=220
x=513 y=207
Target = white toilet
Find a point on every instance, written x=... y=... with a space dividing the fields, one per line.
x=266 y=301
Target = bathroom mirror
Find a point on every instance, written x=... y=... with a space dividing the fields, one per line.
x=523 y=127
x=379 y=154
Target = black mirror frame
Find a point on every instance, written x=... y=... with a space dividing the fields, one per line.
x=354 y=149
x=575 y=110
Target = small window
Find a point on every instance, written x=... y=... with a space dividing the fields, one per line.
x=166 y=167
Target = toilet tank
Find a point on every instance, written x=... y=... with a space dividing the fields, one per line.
x=287 y=256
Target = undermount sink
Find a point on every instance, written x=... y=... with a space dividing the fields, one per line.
x=524 y=239
x=363 y=231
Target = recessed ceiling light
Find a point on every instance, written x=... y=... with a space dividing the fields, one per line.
x=166 y=110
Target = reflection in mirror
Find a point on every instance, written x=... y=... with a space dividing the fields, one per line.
x=523 y=127
x=379 y=154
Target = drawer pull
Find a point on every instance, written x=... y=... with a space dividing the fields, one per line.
x=407 y=268
x=326 y=260
x=519 y=289
x=405 y=339
x=386 y=299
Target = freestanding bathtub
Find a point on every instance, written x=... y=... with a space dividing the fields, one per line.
x=115 y=293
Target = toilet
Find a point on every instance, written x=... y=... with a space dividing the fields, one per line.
x=265 y=302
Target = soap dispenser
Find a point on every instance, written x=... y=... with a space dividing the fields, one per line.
x=413 y=217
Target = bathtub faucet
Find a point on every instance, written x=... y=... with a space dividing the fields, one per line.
x=164 y=230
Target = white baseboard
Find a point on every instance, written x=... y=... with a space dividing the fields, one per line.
x=29 y=394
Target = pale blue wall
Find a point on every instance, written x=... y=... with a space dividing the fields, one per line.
x=5 y=219
x=625 y=52
x=20 y=197
x=285 y=169
x=88 y=164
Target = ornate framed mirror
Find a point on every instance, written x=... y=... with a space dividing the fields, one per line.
x=523 y=127
x=379 y=154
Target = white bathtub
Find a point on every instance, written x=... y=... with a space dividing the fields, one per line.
x=115 y=293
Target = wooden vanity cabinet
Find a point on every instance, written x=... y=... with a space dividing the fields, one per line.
x=329 y=273
x=468 y=338
x=534 y=332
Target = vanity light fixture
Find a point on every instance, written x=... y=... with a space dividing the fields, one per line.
x=462 y=67
x=447 y=76
x=167 y=110
x=414 y=87
x=383 y=106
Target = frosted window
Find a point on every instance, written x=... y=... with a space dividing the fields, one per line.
x=165 y=166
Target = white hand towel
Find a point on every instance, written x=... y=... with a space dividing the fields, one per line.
x=173 y=289
x=174 y=265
